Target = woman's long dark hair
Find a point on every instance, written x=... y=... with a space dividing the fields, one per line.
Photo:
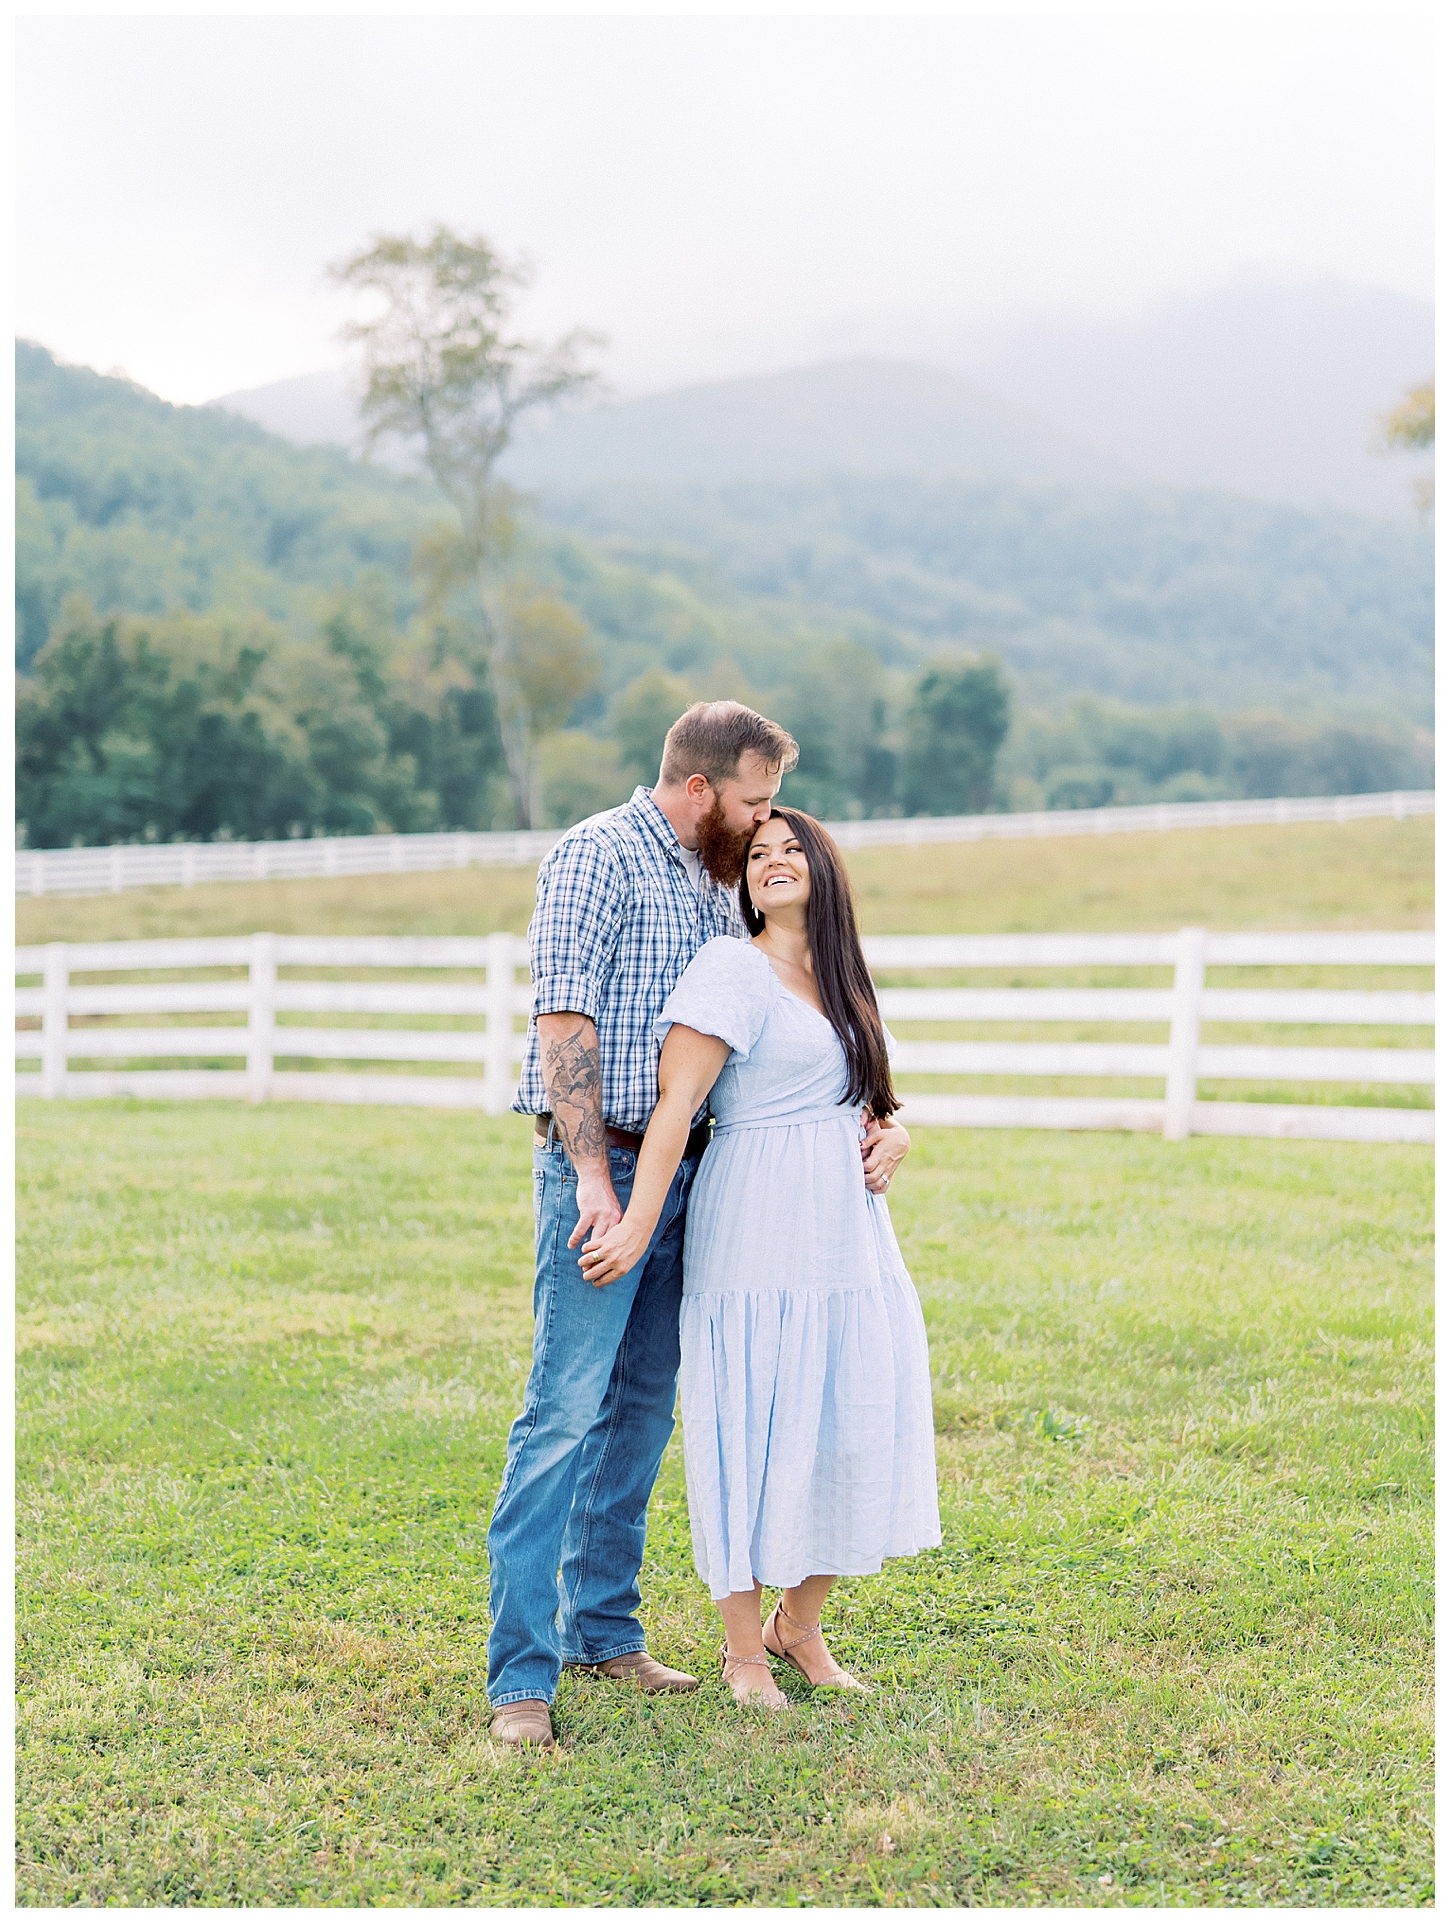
x=843 y=980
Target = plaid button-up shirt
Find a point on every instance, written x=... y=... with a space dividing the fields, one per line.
x=616 y=921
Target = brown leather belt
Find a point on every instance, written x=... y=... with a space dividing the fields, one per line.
x=625 y=1138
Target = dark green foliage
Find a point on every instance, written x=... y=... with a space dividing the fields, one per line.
x=834 y=701
x=193 y=729
x=1270 y=755
x=956 y=722
x=1099 y=755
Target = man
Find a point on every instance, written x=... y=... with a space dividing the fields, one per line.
x=624 y=903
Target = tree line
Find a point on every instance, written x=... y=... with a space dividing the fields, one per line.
x=199 y=727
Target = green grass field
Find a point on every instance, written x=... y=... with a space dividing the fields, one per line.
x=1173 y=1650
x=1366 y=874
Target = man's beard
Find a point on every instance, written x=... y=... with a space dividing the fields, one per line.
x=722 y=848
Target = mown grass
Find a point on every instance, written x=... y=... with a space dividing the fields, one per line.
x=1365 y=874
x=1173 y=1650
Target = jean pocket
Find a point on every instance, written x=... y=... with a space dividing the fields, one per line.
x=538 y=1197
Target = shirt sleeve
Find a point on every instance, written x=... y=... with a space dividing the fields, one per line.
x=725 y=991
x=575 y=928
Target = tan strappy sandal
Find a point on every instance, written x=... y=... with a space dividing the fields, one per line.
x=758 y=1699
x=838 y=1679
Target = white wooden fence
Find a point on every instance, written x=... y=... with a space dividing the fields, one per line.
x=100 y=871
x=77 y=1023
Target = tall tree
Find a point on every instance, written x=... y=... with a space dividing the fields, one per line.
x=833 y=700
x=445 y=367
x=957 y=720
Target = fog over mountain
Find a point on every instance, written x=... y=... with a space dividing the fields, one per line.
x=864 y=417
x=1271 y=390
x=1274 y=390
x=1148 y=595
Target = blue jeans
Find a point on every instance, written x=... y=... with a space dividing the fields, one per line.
x=567 y=1536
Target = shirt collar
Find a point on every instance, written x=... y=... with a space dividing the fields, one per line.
x=650 y=815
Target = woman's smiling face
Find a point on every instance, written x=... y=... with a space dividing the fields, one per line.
x=777 y=869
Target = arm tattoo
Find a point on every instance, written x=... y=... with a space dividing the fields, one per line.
x=571 y=1075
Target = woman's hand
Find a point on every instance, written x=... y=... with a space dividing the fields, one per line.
x=883 y=1149
x=607 y=1257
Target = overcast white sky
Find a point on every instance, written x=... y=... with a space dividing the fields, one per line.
x=717 y=195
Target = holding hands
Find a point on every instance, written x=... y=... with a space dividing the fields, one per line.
x=884 y=1148
x=613 y=1252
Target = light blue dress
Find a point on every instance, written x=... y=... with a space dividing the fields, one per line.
x=805 y=1384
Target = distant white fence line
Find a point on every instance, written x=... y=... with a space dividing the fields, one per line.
x=101 y=871
x=496 y=1047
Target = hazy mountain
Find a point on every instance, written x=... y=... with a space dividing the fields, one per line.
x=861 y=417
x=310 y=409
x=1149 y=595
x=852 y=417
x=1144 y=595
x=1275 y=390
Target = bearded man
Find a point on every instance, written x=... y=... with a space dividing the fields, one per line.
x=624 y=903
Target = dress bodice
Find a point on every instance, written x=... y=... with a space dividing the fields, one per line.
x=786 y=1061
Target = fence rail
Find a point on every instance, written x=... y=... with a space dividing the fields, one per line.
x=101 y=871
x=77 y=1020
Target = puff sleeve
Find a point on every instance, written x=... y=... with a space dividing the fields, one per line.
x=726 y=991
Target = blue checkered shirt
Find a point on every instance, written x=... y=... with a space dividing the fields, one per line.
x=616 y=922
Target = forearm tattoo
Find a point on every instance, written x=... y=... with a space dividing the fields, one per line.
x=571 y=1075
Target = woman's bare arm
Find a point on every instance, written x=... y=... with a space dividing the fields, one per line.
x=690 y=1065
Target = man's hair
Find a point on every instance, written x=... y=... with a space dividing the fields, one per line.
x=710 y=738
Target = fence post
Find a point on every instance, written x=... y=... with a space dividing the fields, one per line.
x=37 y=873
x=115 y=866
x=1182 y=1089
x=53 y=1020
x=261 y=1016
x=499 y=1080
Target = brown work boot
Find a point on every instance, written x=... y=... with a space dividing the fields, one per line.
x=524 y=1725
x=641 y=1669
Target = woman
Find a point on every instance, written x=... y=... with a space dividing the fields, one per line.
x=804 y=1378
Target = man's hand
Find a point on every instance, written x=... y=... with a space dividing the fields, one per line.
x=883 y=1149
x=599 y=1208
x=613 y=1252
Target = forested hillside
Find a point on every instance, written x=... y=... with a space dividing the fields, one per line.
x=1145 y=595
x=144 y=507
x=223 y=633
